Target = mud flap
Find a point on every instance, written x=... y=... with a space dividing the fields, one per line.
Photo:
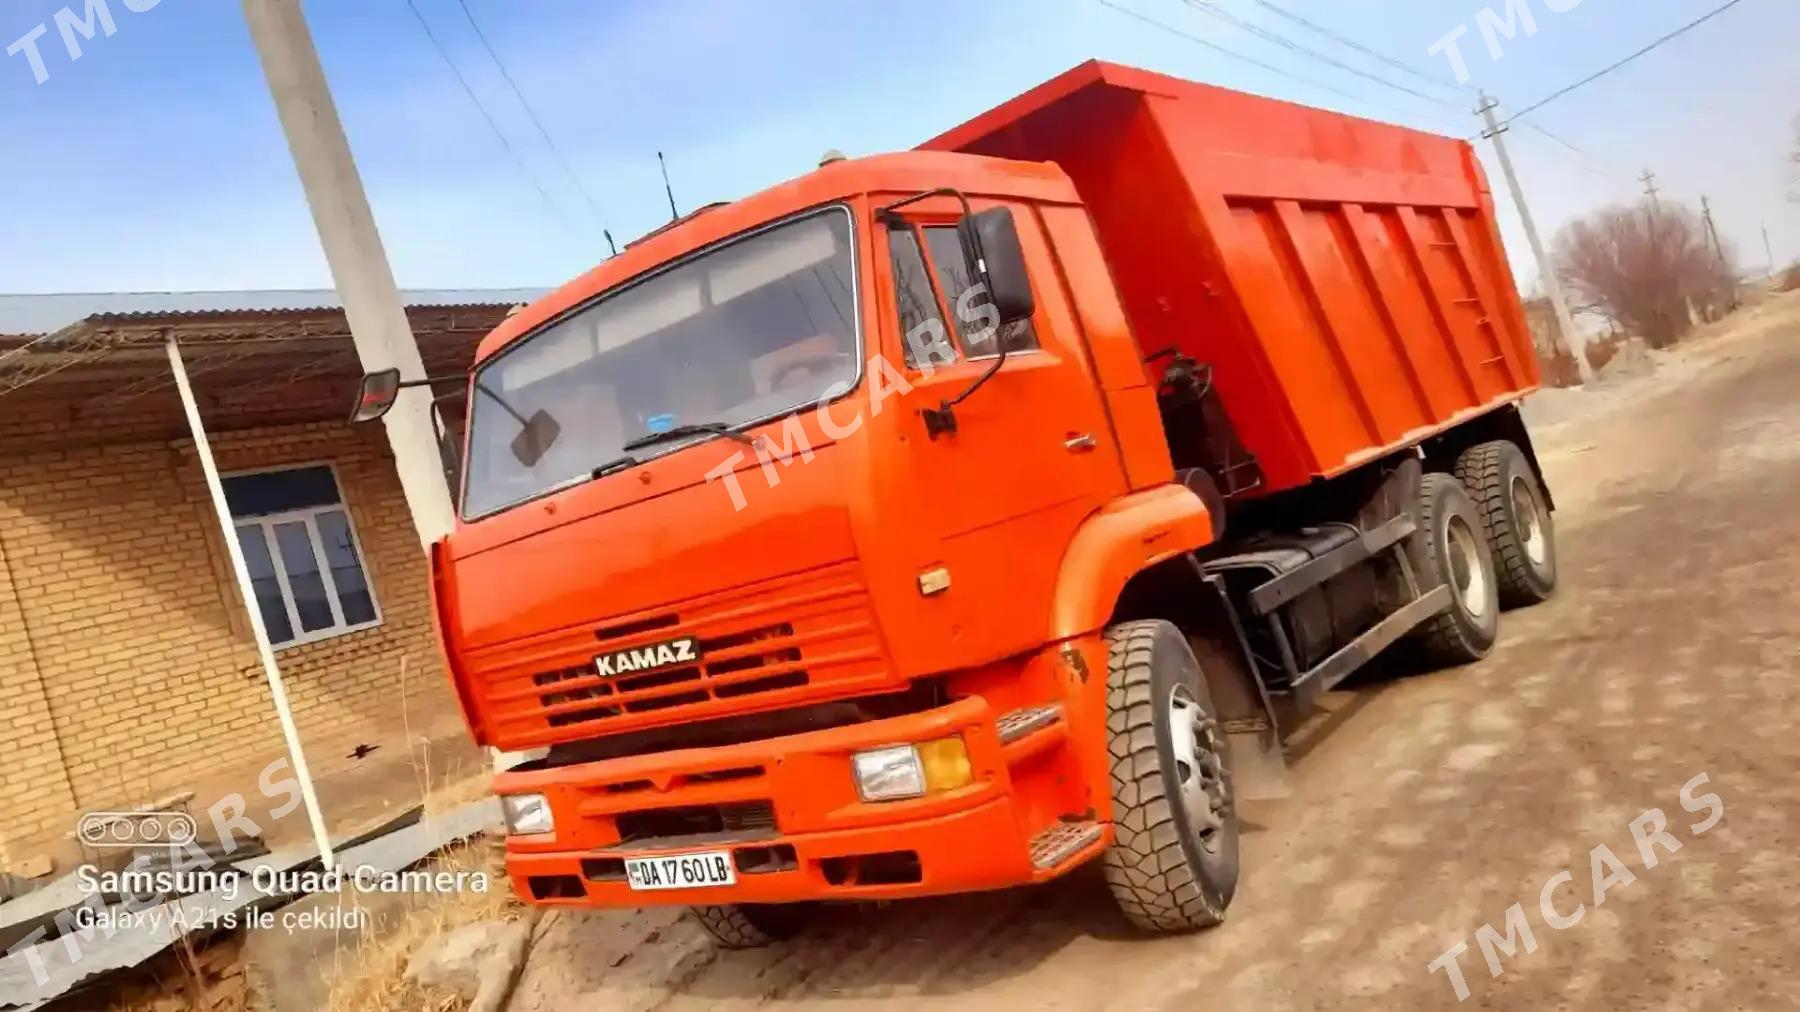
x=1259 y=770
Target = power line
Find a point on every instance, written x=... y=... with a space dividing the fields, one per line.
x=1591 y=78
x=1234 y=54
x=1350 y=43
x=524 y=170
x=1222 y=50
x=531 y=113
x=1287 y=43
x=1591 y=163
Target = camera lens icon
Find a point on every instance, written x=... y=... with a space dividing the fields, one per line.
x=92 y=831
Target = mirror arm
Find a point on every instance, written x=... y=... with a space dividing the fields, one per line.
x=479 y=387
x=942 y=419
x=427 y=381
x=482 y=388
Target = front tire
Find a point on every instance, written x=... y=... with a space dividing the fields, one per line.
x=751 y=925
x=1510 y=500
x=1173 y=863
x=1451 y=549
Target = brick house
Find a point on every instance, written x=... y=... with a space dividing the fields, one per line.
x=127 y=667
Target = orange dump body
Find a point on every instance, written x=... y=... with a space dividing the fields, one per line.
x=1344 y=278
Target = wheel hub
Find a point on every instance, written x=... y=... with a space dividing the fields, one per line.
x=1466 y=573
x=1528 y=523
x=1199 y=770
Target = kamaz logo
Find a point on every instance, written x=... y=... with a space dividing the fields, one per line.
x=657 y=655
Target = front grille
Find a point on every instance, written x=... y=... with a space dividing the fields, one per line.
x=633 y=693
x=743 y=818
x=775 y=640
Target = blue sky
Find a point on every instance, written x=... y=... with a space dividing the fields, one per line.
x=155 y=161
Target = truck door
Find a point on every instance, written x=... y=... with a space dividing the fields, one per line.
x=1033 y=453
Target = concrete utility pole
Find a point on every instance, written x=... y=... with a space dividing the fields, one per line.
x=359 y=266
x=1768 y=250
x=1718 y=247
x=1712 y=231
x=1565 y=323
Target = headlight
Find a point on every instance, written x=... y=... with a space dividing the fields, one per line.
x=889 y=774
x=909 y=771
x=526 y=814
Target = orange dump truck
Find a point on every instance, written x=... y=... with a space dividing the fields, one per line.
x=946 y=520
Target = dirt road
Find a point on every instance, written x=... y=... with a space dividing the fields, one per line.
x=1434 y=803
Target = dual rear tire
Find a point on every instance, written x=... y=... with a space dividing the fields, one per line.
x=1485 y=533
x=1506 y=492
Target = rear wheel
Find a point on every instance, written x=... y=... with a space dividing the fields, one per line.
x=1173 y=863
x=752 y=925
x=1510 y=500
x=1451 y=549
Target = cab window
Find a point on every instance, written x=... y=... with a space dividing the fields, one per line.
x=922 y=333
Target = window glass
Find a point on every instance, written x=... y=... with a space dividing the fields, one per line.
x=346 y=568
x=306 y=572
x=751 y=330
x=266 y=492
x=922 y=333
x=304 y=581
x=265 y=583
x=974 y=314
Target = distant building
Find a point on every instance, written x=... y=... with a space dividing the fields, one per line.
x=126 y=662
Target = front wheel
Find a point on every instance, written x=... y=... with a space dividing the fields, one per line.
x=751 y=925
x=1173 y=863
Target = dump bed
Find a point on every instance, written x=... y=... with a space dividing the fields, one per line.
x=1344 y=278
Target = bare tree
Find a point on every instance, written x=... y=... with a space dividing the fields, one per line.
x=1642 y=267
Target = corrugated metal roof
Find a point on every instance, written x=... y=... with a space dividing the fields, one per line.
x=42 y=314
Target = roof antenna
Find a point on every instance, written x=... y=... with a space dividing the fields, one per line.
x=674 y=215
x=609 y=241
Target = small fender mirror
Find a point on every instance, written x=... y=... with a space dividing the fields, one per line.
x=375 y=395
x=535 y=437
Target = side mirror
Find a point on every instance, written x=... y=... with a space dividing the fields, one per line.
x=375 y=395
x=999 y=262
x=535 y=437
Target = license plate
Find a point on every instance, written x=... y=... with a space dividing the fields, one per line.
x=681 y=871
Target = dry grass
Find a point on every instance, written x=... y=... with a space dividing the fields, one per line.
x=372 y=977
x=455 y=793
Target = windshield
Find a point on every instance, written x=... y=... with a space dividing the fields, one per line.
x=745 y=332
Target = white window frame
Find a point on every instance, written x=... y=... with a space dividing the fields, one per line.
x=308 y=519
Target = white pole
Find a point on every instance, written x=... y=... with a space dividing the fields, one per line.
x=1571 y=339
x=296 y=754
x=353 y=250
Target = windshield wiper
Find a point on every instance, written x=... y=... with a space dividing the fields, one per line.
x=614 y=465
x=684 y=431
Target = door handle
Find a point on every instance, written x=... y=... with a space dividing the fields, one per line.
x=1083 y=443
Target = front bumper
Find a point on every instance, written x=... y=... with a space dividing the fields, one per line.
x=811 y=837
